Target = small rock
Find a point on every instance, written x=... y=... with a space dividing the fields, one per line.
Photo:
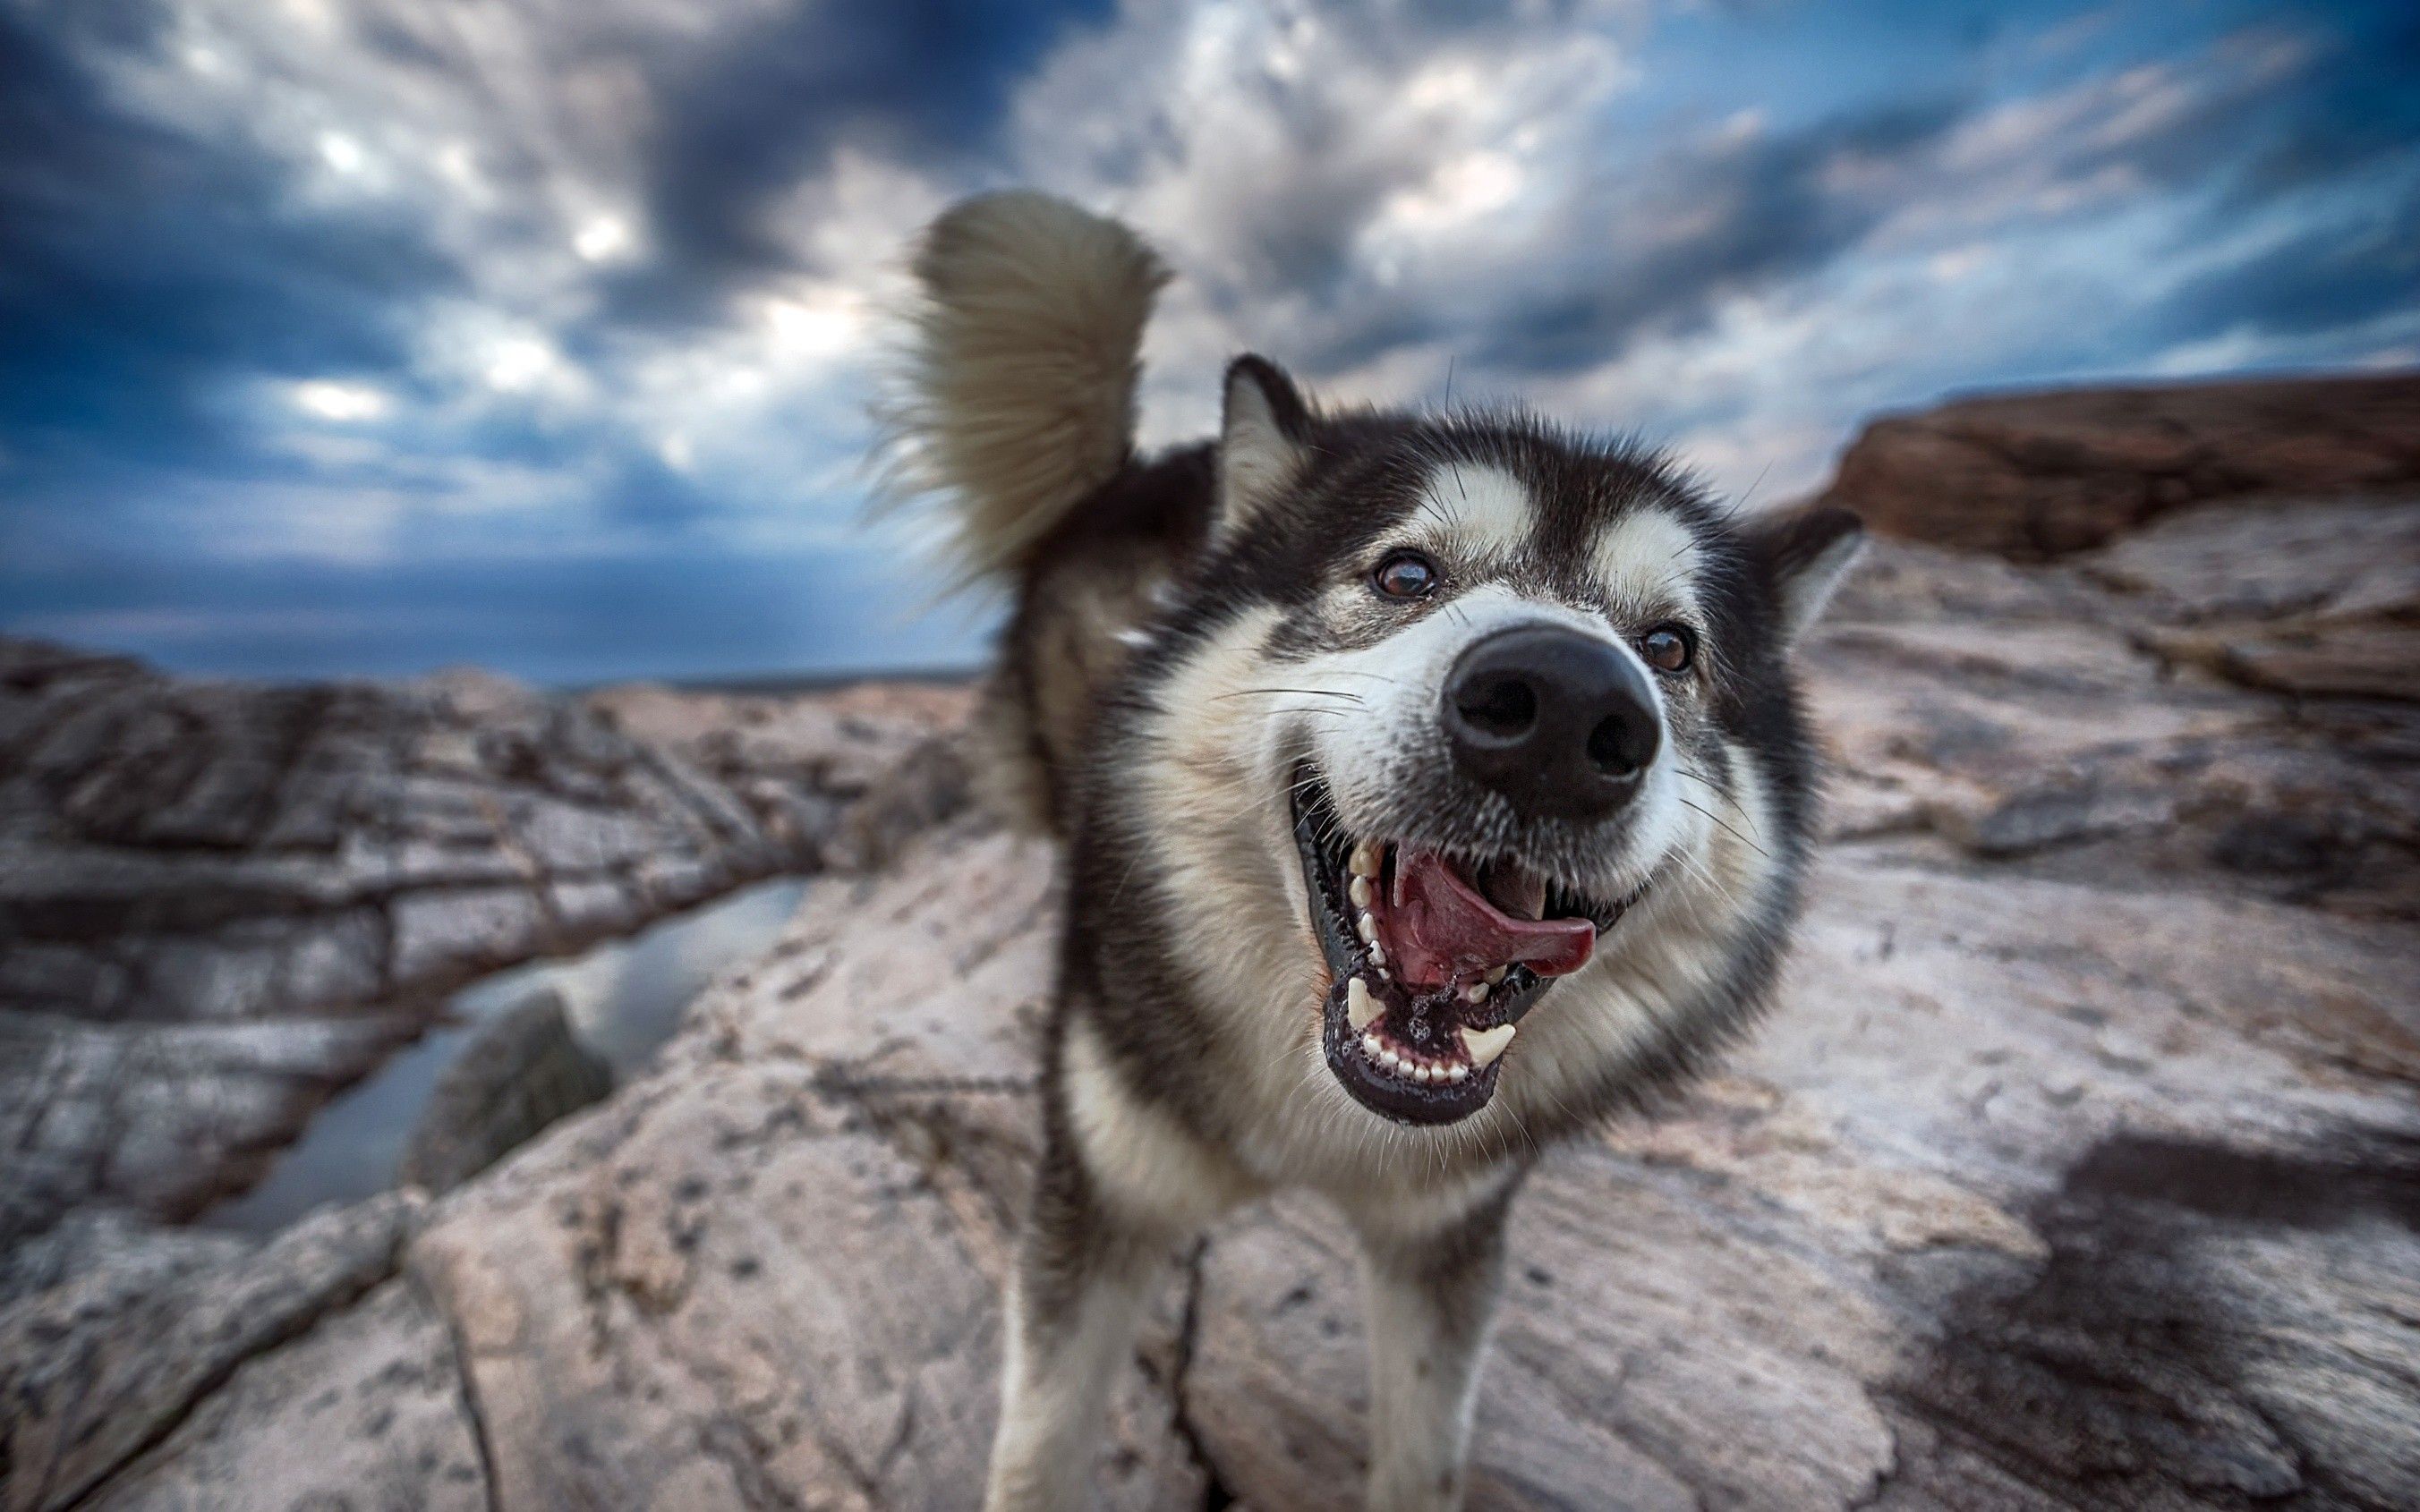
x=2123 y=1052
x=2062 y=1088
x=521 y=1071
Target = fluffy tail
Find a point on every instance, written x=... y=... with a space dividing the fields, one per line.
x=1019 y=383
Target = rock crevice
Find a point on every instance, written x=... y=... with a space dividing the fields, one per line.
x=221 y=901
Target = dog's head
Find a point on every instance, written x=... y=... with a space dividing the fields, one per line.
x=1474 y=700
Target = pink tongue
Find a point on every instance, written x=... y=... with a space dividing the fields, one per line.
x=1439 y=928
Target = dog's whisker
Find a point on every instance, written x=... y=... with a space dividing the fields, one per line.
x=1727 y=827
x=1306 y=693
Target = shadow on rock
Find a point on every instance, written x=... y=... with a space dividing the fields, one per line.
x=2215 y=1327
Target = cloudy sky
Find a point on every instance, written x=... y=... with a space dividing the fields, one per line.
x=367 y=335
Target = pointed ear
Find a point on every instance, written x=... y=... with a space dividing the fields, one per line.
x=1263 y=437
x=1803 y=555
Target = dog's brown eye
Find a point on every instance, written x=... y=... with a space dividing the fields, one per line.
x=1406 y=574
x=1668 y=648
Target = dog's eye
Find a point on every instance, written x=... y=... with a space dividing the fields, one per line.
x=1404 y=575
x=1668 y=648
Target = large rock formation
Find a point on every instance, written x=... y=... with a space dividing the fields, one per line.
x=2080 y=1168
x=219 y=901
x=2041 y=475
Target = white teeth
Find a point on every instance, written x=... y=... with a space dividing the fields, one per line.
x=1360 y=1006
x=1476 y=992
x=1382 y=973
x=1366 y=857
x=1378 y=955
x=1486 y=1045
x=1359 y=891
x=1496 y=974
x=1368 y=928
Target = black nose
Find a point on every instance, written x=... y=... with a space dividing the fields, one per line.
x=1562 y=724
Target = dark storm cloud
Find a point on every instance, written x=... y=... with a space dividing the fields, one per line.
x=2360 y=105
x=2336 y=110
x=142 y=269
x=1650 y=248
x=2269 y=112
x=2339 y=275
x=1637 y=248
x=758 y=110
x=1705 y=224
x=1294 y=231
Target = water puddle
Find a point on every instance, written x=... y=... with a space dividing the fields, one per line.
x=624 y=998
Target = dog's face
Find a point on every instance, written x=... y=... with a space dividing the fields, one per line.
x=1474 y=697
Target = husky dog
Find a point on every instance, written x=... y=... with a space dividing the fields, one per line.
x=1432 y=784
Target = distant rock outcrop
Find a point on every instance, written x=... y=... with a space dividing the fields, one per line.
x=2080 y=1166
x=517 y=1073
x=221 y=901
x=2035 y=476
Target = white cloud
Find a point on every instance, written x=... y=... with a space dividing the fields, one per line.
x=603 y=239
x=328 y=399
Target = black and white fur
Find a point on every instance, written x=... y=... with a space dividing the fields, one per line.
x=1195 y=639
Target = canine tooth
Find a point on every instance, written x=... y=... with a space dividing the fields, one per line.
x=1365 y=858
x=1368 y=928
x=1476 y=992
x=1486 y=1045
x=1359 y=892
x=1360 y=1006
x=1495 y=973
x=1457 y=1073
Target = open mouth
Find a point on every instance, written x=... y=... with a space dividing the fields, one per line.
x=1434 y=960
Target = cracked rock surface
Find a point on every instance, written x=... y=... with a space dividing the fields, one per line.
x=220 y=901
x=2079 y=1168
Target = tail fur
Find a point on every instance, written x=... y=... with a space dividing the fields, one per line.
x=1022 y=361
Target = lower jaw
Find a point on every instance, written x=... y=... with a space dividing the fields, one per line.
x=1385 y=1091
x=1388 y=1093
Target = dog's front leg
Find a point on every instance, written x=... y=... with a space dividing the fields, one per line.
x=1072 y=1302
x=1431 y=1294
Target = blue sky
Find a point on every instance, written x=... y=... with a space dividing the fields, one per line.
x=361 y=337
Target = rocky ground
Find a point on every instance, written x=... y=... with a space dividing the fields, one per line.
x=2079 y=1169
x=220 y=901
